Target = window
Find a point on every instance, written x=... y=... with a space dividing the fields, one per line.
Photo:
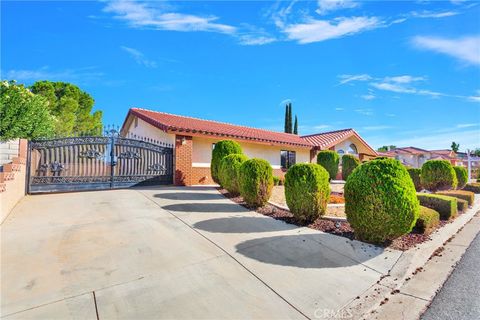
x=136 y=122
x=352 y=149
x=287 y=159
x=213 y=146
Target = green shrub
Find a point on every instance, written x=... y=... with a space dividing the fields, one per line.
x=329 y=159
x=438 y=175
x=256 y=182
x=428 y=220
x=229 y=172
x=473 y=187
x=462 y=176
x=446 y=206
x=276 y=181
x=222 y=149
x=415 y=176
x=460 y=194
x=349 y=163
x=381 y=202
x=307 y=191
x=462 y=205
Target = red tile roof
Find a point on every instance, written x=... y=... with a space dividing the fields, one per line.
x=181 y=124
x=412 y=150
x=329 y=139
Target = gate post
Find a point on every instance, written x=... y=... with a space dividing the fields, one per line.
x=113 y=163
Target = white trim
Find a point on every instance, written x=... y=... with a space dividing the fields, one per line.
x=276 y=167
x=200 y=164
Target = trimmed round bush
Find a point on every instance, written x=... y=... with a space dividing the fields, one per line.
x=230 y=172
x=438 y=175
x=222 y=149
x=415 y=174
x=329 y=159
x=380 y=201
x=462 y=176
x=349 y=163
x=256 y=182
x=307 y=191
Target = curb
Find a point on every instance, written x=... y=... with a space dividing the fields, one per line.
x=404 y=293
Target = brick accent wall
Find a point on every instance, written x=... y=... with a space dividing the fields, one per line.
x=183 y=160
x=279 y=173
x=201 y=176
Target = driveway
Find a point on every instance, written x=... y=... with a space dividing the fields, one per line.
x=173 y=253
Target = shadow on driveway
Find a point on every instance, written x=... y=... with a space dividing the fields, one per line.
x=303 y=251
x=242 y=225
x=189 y=196
x=205 y=207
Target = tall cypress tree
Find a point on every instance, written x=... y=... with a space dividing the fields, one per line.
x=295 y=127
x=286 y=118
x=290 y=129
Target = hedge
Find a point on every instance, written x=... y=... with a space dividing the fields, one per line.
x=462 y=205
x=473 y=187
x=461 y=194
x=229 y=172
x=307 y=191
x=438 y=175
x=446 y=206
x=256 y=182
x=462 y=176
x=329 y=159
x=222 y=149
x=428 y=220
x=415 y=174
x=380 y=201
x=349 y=163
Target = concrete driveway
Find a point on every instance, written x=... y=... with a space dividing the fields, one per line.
x=173 y=253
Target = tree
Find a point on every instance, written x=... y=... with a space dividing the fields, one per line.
x=455 y=146
x=476 y=152
x=23 y=114
x=71 y=108
x=286 y=118
x=386 y=148
x=295 y=127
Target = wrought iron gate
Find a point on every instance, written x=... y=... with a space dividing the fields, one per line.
x=92 y=163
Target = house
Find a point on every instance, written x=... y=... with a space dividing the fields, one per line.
x=193 y=140
x=416 y=157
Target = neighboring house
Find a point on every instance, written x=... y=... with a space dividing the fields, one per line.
x=416 y=157
x=193 y=140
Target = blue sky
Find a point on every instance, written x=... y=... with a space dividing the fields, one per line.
x=402 y=73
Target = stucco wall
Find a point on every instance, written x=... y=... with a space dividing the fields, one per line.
x=202 y=152
x=144 y=129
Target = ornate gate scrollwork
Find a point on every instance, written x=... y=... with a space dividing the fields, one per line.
x=92 y=163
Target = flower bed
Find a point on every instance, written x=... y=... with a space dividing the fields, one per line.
x=339 y=228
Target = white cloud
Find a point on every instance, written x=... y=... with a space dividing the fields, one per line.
x=404 y=79
x=139 y=57
x=320 y=30
x=80 y=75
x=326 y=6
x=392 y=87
x=346 y=78
x=365 y=112
x=140 y=14
x=376 y=128
x=322 y=127
x=339 y=109
x=466 y=49
x=252 y=40
x=475 y=98
x=467 y=125
x=433 y=14
x=368 y=96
